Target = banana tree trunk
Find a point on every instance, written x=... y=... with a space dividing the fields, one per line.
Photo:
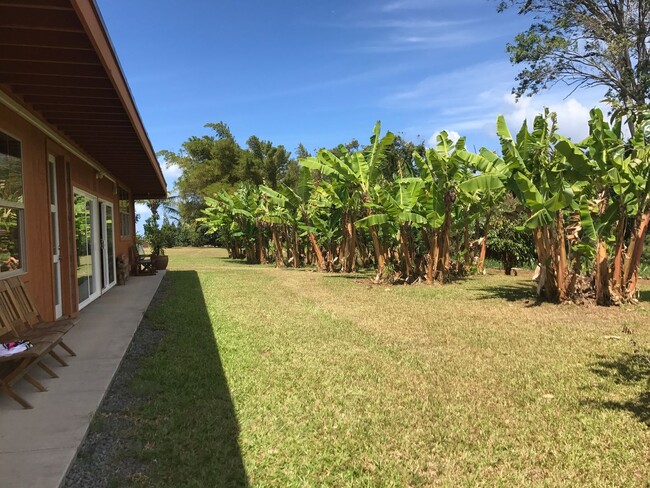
x=631 y=269
x=279 y=258
x=296 y=253
x=287 y=241
x=571 y=289
x=260 y=246
x=445 y=246
x=379 y=253
x=352 y=247
x=559 y=258
x=548 y=263
x=564 y=265
x=406 y=254
x=251 y=256
x=349 y=245
x=602 y=275
x=235 y=249
x=617 y=271
x=481 y=258
x=317 y=251
x=466 y=245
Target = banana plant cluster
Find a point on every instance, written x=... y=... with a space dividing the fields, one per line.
x=344 y=213
x=587 y=204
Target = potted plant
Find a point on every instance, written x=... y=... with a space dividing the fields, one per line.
x=158 y=256
x=156 y=240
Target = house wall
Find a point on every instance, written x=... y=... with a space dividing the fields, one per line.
x=71 y=173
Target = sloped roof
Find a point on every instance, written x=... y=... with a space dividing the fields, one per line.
x=57 y=58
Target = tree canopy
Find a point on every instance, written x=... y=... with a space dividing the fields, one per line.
x=585 y=43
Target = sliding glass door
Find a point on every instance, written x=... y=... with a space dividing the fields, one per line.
x=95 y=239
x=87 y=240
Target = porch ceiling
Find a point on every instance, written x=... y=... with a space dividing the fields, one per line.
x=56 y=56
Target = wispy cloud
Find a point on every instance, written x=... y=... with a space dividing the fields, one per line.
x=397 y=27
x=452 y=89
x=414 y=42
x=407 y=23
x=407 y=5
x=468 y=100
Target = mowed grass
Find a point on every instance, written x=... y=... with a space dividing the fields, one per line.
x=283 y=378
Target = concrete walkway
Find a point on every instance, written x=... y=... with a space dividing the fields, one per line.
x=37 y=446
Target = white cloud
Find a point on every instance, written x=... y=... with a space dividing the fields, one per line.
x=171 y=172
x=572 y=115
x=432 y=141
x=142 y=210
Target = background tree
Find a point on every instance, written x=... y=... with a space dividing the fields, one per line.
x=208 y=164
x=585 y=43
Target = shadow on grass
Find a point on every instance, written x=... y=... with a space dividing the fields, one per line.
x=348 y=276
x=188 y=418
x=644 y=296
x=628 y=369
x=228 y=260
x=521 y=292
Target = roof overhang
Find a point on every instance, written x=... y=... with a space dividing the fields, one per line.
x=56 y=58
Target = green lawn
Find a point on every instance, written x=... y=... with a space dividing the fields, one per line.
x=291 y=378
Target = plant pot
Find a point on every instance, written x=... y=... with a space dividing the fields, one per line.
x=160 y=262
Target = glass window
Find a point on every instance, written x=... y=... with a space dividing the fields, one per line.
x=125 y=213
x=11 y=205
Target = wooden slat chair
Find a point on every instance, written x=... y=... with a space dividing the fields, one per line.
x=27 y=322
x=16 y=367
x=27 y=308
x=144 y=264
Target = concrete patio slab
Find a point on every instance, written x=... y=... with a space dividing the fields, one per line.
x=37 y=446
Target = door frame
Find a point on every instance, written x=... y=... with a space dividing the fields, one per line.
x=55 y=236
x=104 y=249
x=94 y=230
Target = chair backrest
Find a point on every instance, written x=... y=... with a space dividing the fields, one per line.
x=11 y=320
x=139 y=249
x=23 y=302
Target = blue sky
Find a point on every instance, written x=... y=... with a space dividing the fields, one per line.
x=322 y=72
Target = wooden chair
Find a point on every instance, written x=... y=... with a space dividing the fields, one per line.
x=27 y=321
x=17 y=366
x=144 y=264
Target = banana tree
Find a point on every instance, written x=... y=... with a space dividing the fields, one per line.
x=237 y=216
x=402 y=207
x=219 y=219
x=325 y=213
x=296 y=203
x=600 y=160
x=617 y=205
x=485 y=188
x=358 y=172
x=440 y=170
x=538 y=181
x=639 y=168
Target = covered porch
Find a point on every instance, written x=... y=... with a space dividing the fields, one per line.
x=37 y=446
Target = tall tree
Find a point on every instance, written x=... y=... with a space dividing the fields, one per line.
x=586 y=43
x=208 y=164
x=264 y=162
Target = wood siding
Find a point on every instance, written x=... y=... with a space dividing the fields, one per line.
x=71 y=173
